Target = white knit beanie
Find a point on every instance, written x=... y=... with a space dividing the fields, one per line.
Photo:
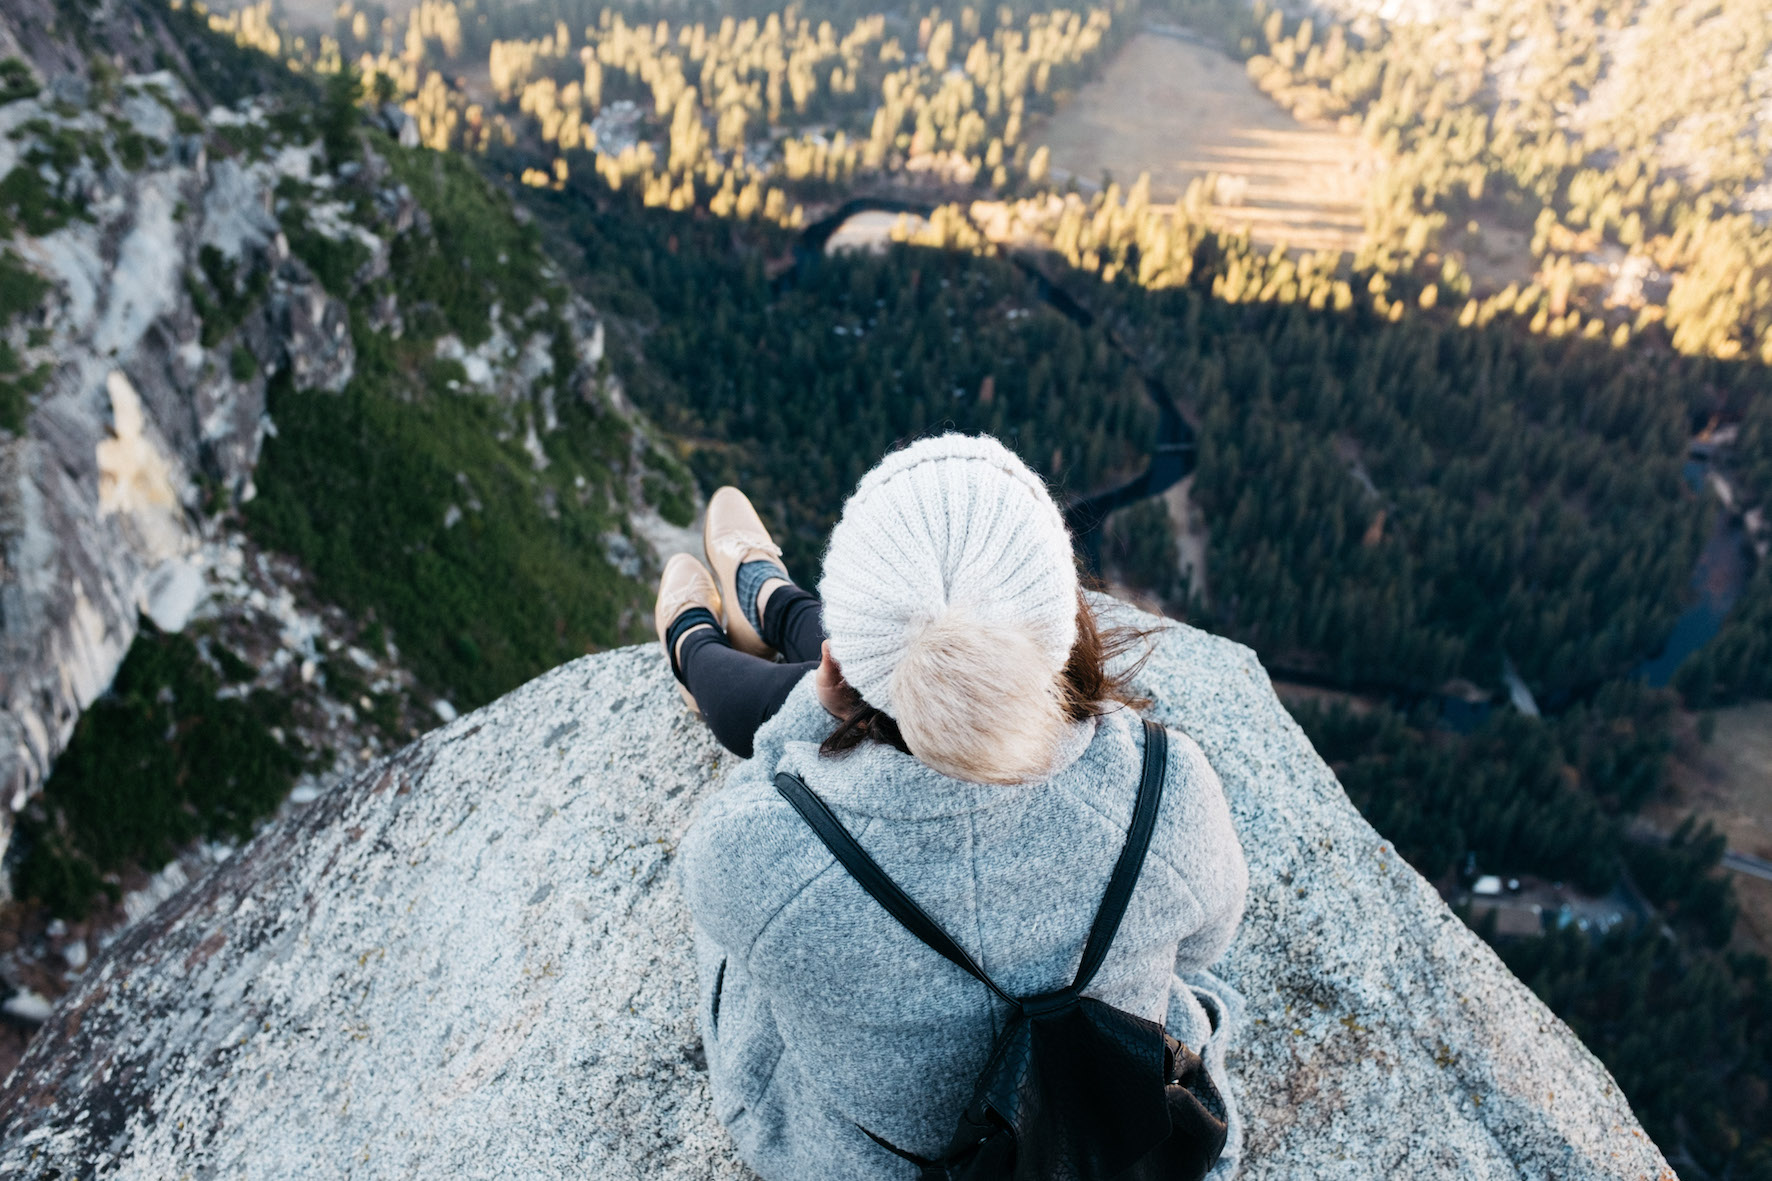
x=950 y=599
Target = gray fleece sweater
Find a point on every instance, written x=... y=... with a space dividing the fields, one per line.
x=821 y=1015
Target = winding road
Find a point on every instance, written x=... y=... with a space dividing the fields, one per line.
x=1744 y=863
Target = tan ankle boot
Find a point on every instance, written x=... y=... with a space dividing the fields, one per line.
x=685 y=583
x=732 y=535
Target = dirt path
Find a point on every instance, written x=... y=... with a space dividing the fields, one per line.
x=1180 y=110
x=1191 y=537
x=872 y=231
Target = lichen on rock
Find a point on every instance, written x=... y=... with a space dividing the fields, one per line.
x=473 y=960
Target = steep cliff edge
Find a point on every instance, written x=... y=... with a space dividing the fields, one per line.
x=319 y=401
x=134 y=396
x=473 y=961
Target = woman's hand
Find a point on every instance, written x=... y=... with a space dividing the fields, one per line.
x=834 y=692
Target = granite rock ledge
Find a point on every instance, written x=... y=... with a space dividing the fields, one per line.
x=473 y=961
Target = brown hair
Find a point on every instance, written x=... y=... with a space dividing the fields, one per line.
x=1089 y=688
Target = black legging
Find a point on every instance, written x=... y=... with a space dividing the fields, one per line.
x=737 y=692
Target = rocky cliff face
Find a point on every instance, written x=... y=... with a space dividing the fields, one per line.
x=472 y=960
x=142 y=402
x=191 y=255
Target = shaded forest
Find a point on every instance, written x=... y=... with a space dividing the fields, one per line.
x=411 y=497
x=795 y=394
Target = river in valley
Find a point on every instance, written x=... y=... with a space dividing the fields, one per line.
x=1724 y=566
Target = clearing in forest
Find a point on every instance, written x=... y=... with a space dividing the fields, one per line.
x=873 y=231
x=1728 y=781
x=1180 y=110
x=317 y=14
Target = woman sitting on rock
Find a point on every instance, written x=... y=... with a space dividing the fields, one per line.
x=961 y=720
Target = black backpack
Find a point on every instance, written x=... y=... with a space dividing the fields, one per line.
x=1075 y=1089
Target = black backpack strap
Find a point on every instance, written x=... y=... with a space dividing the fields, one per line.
x=870 y=877
x=922 y=1162
x=882 y=889
x=1126 y=869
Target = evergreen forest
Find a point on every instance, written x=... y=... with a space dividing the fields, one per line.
x=1422 y=480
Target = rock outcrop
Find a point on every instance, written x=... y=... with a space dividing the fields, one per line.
x=473 y=961
x=145 y=395
x=171 y=266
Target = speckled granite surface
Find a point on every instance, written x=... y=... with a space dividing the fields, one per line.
x=473 y=961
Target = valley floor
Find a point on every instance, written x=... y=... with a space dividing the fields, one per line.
x=1728 y=781
x=1182 y=111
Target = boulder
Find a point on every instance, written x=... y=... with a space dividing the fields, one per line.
x=473 y=961
x=315 y=328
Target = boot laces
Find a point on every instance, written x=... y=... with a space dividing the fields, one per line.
x=737 y=545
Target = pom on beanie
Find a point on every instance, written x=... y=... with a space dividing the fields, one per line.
x=950 y=600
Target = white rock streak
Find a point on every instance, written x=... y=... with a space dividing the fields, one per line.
x=137 y=479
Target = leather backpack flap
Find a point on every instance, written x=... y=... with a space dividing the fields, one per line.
x=1088 y=1093
x=1081 y=1090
